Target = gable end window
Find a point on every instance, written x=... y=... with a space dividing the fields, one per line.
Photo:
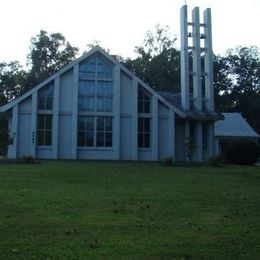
x=45 y=97
x=144 y=101
x=96 y=85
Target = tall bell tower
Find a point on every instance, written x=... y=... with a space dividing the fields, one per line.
x=197 y=91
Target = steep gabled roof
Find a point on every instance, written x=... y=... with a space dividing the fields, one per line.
x=234 y=125
x=9 y=105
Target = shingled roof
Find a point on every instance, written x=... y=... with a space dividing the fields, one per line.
x=234 y=125
x=175 y=100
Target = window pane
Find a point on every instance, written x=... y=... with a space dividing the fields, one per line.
x=104 y=68
x=140 y=106
x=100 y=104
x=47 y=138
x=146 y=125
x=109 y=90
x=90 y=105
x=49 y=103
x=40 y=138
x=82 y=89
x=90 y=123
x=41 y=103
x=146 y=141
x=100 y=123
x=45 y=97
x=108 y=124
x=100 y=139
x=108 y=103
x=144 y=132
x=81 y=123
x=100 y=88
x=90 y=88
x=140 y=140
x=87 y=69
x=108 y=140
x=143 y=101
x=48 y=122
x=90 y=138
x=40 y=122
x=146 y=106
x=81 y=139
x=140 y=124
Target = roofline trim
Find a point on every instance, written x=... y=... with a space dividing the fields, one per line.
x=9 y=105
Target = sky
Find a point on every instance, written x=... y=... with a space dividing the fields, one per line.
x=120 y=25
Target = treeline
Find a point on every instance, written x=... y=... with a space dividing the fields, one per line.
x=236 y=74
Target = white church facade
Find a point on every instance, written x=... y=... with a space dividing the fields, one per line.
x=95 y=108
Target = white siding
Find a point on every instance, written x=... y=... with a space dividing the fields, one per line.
x=125 y=140
x=64 y=142
x=24 y=135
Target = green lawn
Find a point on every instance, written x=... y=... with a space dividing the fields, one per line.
x=113 y=210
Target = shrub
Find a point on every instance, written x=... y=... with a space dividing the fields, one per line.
x=215 y=161
x=28 y=158
x=168 y=161
x=242 y=152
x=191 y=147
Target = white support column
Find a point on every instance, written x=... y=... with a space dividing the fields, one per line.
x=34 y=123
x=134 y=119
x=185 y=88
x=154 y=132
x=116 y=111
x=198 y=139
x=55 y=118
x=211 y=139
x=186 y=136
x=197 y=94
x=171 y=134
x=208 y=61
x=12 y=152
x=74 y=119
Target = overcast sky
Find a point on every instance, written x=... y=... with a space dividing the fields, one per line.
x=120 y=25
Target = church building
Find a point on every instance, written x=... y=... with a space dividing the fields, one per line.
x=95 y=108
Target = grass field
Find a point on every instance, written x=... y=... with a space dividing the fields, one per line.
x=115 y=210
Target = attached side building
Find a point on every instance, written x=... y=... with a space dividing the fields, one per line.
x=234 y=126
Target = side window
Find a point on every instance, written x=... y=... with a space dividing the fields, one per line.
x=144 y=132
x=44 y=130
x=45 y=97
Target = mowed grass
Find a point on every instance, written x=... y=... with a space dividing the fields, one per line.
x=122 y=210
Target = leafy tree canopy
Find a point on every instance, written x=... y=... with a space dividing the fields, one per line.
x=48 y=54
x=157 y=61
x=237 y=81
x=12 y=79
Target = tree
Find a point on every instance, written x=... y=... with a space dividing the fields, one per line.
x=48 y=54
x=157 y=61
x=12 y=79
x=238 y=83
